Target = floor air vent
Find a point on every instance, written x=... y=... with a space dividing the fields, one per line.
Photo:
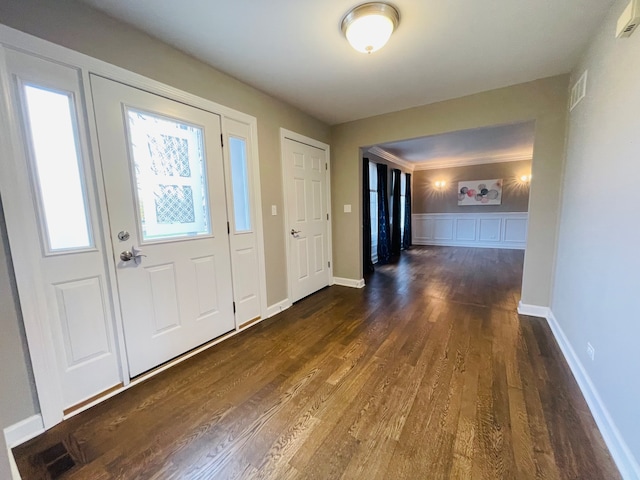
x=57 y=460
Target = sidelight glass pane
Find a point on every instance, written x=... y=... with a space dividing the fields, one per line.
x=240 y=184
x=170 y=173
x=54 y=142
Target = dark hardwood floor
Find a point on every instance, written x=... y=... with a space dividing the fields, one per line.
x=427 y=373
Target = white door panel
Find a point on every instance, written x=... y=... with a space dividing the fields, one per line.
x=59 y=211
x=306 y=187
x=164 y=179
x=242 y=219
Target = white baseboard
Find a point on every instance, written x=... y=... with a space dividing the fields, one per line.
x=276 y=308
x=533 y=310
x=348 y=282
x=24 y=430
x=621 y=453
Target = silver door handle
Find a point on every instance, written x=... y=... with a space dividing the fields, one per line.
x=134 y=254
x=295 y=232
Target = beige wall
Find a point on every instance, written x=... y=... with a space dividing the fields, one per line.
x=544 y=101
x=81 y=28
x=17 y=400
x=595 y=297
x=429 y=199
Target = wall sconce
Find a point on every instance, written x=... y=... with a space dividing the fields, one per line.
x=440 y=184
x=525 y=178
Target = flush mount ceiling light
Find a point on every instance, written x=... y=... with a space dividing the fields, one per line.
x=369 y=26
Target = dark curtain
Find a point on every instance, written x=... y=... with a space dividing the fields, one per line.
x=396 y=240
x=384 y=239
x=367 y=264
x=406 y=239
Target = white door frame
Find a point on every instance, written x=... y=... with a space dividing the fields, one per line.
x=296 y=137
x=32 y=301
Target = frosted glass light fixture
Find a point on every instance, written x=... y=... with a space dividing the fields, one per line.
x=369 y=26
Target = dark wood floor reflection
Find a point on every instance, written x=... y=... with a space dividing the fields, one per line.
x=427 y=373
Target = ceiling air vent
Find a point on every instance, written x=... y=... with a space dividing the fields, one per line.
x=579 y=90
x=629 y=20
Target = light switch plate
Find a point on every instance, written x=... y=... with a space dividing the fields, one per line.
x=347 y=209
x=274 y=210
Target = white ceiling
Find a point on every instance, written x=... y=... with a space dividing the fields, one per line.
x=295 y=51
x=500 y=143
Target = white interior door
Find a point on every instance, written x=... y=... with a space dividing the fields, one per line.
x=54 y=197
x=164 y=179
x=306 y=198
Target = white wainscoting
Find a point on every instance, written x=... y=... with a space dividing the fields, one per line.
x=489 y=230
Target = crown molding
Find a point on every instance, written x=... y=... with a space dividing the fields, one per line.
x=465 y=162
x=392 y=158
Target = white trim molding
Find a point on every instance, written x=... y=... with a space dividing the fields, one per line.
x=532 y=310
x=486 y=230
x=465 y=162
x=348 y=282
x=620 y=451
x=276 y=308
x=23 y=431
x=392 y=158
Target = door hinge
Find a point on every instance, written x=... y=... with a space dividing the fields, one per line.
x=327 y=216
x=228 y=228
x=234 y=307
x=329 y=264
x=326 y=166
x=221 y=140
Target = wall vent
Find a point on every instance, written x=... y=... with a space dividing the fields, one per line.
x=629 y=20
x=578 y=91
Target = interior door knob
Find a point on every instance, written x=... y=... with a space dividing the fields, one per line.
x=295 y=232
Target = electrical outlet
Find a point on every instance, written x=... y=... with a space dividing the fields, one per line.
x=591 y=351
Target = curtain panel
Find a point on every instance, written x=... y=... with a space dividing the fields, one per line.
x=406 y=239
x=384 y=237
x=396 y=240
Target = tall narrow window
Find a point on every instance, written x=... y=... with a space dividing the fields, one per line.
x=56 y=157
x=373 y=196
x=403 y=192
x=240 y=184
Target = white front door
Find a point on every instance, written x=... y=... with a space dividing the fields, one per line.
x=306 y=198
x=164 y=181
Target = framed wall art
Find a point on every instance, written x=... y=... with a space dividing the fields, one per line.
x=480 y=192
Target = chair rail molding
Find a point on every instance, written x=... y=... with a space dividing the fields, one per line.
x=488 y=230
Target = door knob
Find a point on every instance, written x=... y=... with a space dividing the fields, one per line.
x=134 y=254
x=295 y=232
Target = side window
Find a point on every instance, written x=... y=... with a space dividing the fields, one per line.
x=240 y=185
x=56 y=162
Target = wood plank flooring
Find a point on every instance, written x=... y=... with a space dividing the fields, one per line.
x=427 y=373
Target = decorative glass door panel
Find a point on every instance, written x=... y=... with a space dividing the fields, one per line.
x=170 y=174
